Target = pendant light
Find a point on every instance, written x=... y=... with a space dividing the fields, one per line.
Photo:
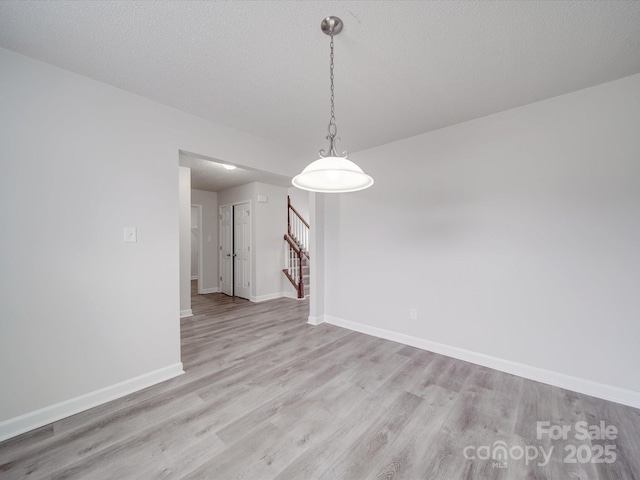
x=332 y=173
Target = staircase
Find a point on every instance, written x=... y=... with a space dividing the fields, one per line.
x=297 y=251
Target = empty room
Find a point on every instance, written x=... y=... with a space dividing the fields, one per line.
x=206 y=206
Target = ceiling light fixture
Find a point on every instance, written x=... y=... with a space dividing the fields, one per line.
x=229 y=167
x=332 y=173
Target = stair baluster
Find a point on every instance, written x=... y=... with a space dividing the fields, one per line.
x=297 y=241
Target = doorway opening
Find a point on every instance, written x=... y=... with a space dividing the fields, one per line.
x=256 y=271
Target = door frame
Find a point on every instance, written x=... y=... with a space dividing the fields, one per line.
x=232 y=205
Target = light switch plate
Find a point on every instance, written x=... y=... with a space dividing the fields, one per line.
x=130 y=234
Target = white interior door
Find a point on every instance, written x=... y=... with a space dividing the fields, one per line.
x=226 y=250
x=242 y=251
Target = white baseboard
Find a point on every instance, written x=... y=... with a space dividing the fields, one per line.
x=294 y=296
x=210 y=290
x=273 y=296
x=44 y=416
x=269 y=296
x=556 y=379
x=315 y=320
x=186 y=313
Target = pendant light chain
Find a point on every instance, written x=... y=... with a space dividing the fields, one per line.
x=333 y=129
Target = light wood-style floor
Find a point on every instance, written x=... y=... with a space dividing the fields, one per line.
x=266 y=396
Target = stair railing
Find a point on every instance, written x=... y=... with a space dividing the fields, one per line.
x=297 y=227
x=296 y=248
x=295 y=262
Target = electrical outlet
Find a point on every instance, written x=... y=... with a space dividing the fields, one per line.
x=413 y=314
x=130 y=234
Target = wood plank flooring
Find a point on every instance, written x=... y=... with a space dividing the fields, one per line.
x=266 y=396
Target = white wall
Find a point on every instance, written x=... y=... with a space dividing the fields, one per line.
x=300 y=201
x=185 y=240
x=92 y=317
x=317 y=235
x=270 y=227
x=515 y=236
x=210 y=241
x=242 y=193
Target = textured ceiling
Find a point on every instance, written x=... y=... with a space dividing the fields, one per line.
x=402 y=68
x=213 y=177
